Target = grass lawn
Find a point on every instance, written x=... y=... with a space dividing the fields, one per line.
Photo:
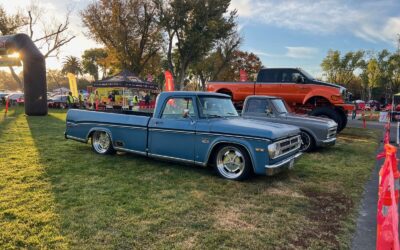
x=57 y=193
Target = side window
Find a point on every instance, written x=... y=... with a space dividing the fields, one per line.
x=257 y=105
x=175 y=108
x=269 y=75
x=290 y=75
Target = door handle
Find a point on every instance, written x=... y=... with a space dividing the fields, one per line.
x=158 y=123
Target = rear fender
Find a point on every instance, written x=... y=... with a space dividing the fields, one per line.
x=92 y=130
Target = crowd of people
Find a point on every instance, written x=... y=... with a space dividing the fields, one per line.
x=94 y=100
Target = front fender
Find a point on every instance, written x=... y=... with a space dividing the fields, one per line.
x=321 y=93
x=257 y=150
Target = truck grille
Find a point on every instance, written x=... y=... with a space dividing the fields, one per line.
x=331 y=132
x=289 y=145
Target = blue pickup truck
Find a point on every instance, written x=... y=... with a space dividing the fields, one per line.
x=191 y=127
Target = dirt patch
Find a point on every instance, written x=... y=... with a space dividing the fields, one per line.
x=326 y=212
x=231 y=218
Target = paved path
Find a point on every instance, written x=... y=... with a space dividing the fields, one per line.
x=365 y=235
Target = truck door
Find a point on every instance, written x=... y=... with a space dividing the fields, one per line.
x=289 y=86
x=269 y=82
x=172 y=135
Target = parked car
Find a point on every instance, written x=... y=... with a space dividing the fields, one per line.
x=302 y=92
x=359 y=104
x=57 y=101
x=191 y=127
x=15 y=98
x=315 y=131
x=60 y=101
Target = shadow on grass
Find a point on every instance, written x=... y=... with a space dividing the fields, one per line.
x=129 y=201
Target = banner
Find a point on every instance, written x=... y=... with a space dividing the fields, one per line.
x=72 y=84
x=243 y=75
x=169 y=81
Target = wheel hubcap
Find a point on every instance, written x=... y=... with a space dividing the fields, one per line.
x=305 y=141
x=101 y=142
x=230 y=162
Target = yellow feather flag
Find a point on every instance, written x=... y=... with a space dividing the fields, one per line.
x=72 y=84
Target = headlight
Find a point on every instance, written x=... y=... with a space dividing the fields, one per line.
x=273 y=150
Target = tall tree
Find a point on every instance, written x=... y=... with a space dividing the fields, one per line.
x=127 y=27
x=340 y=69
x=192 y=28
x=92 y=62
x=48 y=33
x=373 y=75
x=71 y=64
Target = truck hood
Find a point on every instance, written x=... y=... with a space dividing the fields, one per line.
x=325 y=83
x=307 y=119
x=253 y=128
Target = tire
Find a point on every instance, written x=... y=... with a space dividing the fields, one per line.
x=232 y=162
x=101 y=143
x=307 y=142
x=330 y=113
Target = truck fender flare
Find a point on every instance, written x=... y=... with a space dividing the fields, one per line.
x=310 y=132
x=220 y=141
x=92 y=130
x=323 y=94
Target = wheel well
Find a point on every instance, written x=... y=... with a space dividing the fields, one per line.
x=318 y=101
x=225 y=91
x=218 y=145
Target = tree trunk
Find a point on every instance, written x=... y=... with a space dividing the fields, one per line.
x=16 y=78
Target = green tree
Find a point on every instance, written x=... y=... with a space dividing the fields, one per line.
x=394 y=73
x=373 y=73
x=340 y=69
x=128 y=28
x=71 y=64
x=93 y=61
x=195 y=26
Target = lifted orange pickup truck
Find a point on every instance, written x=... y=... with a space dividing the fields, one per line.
x=302 y=92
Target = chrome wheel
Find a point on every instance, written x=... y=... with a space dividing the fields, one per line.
x=230 y=162
x=306 y=141
x=101 y=142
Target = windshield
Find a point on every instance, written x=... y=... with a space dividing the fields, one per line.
x=310 y=77
x=216 y=107
x=280 y=106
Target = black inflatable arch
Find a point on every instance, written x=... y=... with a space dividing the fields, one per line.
x=34 y=71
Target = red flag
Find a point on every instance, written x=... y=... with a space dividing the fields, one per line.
x=169 y=81
x=7 y=103
x=243 y=75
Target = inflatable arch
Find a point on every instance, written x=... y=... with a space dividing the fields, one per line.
x=34 y=71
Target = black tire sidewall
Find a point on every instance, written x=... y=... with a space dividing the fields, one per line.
x=312 y=142
x=331 y=114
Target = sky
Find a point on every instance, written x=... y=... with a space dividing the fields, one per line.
x=283 y=33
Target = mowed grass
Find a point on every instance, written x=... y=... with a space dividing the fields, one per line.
x=57 y=193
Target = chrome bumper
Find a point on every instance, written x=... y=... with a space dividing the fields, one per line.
x=328 y=142
x=284 y=164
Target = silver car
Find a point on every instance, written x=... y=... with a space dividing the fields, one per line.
x=315 y=131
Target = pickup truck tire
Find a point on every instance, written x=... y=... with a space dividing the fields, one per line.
x=331 y=114
x=101 y=143
x=232 y=162
x=307 y=142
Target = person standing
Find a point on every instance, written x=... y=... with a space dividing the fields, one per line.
x=70 y=100
x=147 y=100
x=91 y=100
x=81 y=100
